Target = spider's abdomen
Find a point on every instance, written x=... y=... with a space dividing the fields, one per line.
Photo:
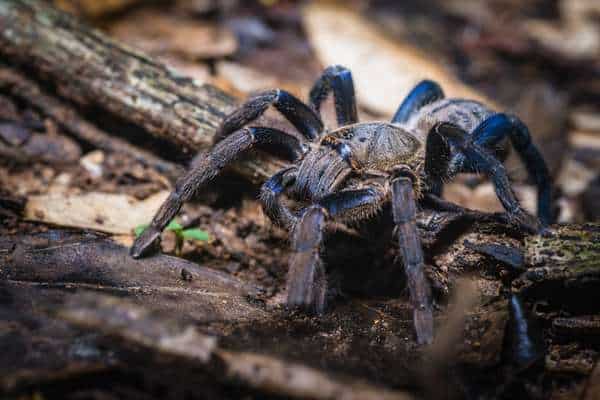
x=466 y=114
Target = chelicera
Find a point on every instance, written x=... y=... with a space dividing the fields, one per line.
x=350 y=173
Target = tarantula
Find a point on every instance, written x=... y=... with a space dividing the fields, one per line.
x=350 y=173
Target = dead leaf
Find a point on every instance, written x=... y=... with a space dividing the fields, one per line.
x=249 y=80
x=111 y=213
x=94 y=8
x=156 y=32
x=384 y=71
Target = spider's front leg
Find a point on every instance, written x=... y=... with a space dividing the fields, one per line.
x=271 y=197
x=205 y=168
x=404 y=209
x=304 y=119
x=307 y=283
x=338 y=79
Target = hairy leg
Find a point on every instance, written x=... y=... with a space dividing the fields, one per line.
x=339 y=80
x=482 y=160
x=424 y=93
x=304 y=119
x=437 y=162
x=205 y=169
x=496 y=128
x=270 y=196
x=307 y=283
x=404 y=209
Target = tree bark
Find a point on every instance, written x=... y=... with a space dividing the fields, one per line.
x=90 y=69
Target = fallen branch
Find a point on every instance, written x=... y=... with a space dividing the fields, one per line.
x=62 y=260
x=67 y=118
x=90 y=69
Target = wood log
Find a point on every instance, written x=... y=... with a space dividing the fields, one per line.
x=18 y=86
x=90 y=69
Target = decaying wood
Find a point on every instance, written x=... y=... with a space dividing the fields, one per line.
x=46 y=268
x=92 y=70
x=570 y=258
x=69 y=119
x=183 y=343
x=20 y=144
x=69 y=261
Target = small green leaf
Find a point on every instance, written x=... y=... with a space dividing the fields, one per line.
x=174 y=226
x=196 y=234
x=138 y=230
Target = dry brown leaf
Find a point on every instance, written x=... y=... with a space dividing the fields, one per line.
x=384 y=71
x=577 y=36
x=94 y=8
x=249 y=80
x=159 y=33
x=111 y=213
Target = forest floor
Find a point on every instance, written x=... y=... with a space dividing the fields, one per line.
x=80 y=319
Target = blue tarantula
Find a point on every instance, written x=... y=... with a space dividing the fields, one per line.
x=350 y=173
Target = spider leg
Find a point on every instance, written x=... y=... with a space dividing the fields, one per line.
x=482 y=160
x=424 y=93
x=437 y=161
x=339 y=80
x=404 y=209
x=270 y=196
x=497 y=127
x=205 y=169
x=304 y=119
x=307 y=283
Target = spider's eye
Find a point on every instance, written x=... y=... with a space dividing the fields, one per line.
x=362 y=139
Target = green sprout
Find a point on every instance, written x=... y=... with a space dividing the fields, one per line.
x=180 y=234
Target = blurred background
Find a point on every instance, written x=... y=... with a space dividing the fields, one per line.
x=539 y=59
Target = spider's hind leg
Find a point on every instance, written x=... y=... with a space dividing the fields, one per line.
x=497 y=127
x=479 y=159
x=424 y=93
x=339 y=80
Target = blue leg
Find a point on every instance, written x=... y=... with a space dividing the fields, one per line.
x=339 y=80
x=481 y=160
x=404 y=211
x=424 y=93
x=270 y=196
x=306 y=284
x=438 y=155
x=497 y=127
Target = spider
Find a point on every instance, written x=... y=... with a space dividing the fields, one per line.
x=350 y=173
